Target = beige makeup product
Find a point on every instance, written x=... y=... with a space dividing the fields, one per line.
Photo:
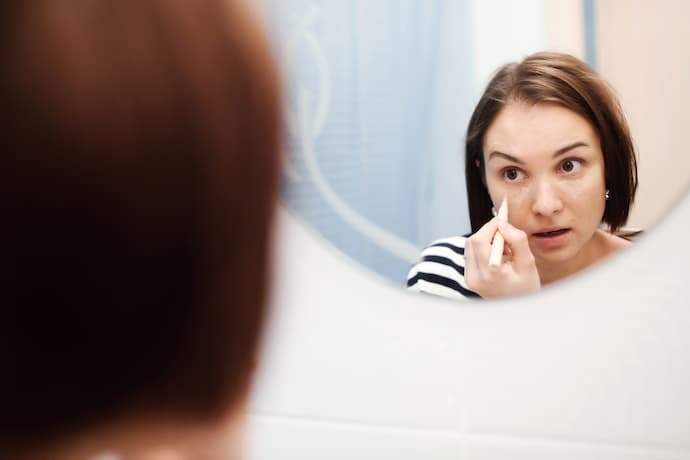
x=496 y=255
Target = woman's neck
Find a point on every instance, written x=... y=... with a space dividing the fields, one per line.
x=601 y=245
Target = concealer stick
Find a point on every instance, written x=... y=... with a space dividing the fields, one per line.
x=496 y=255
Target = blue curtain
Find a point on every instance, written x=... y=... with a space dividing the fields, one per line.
x=378 y=95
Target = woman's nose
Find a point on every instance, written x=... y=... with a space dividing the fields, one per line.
x=546 y=199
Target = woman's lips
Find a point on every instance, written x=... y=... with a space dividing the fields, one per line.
x=551 y=238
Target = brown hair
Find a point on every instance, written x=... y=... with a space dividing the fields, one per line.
x=138 y=182
x=565 y=80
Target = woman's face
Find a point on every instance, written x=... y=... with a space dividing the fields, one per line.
x=547 y=160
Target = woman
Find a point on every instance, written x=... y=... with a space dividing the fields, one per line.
x=549 y=136
x=138 y=186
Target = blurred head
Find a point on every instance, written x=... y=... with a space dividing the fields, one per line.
x=137 y=189
x=547 y=131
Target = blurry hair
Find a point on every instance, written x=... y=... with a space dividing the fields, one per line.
x=138 y=181
x=567 y=81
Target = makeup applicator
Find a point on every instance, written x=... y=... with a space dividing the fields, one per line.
x=496 y=255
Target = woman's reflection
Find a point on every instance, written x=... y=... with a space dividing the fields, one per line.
x=549 y=136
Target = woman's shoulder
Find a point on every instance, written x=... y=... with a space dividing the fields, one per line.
x=451 y=242
x=629 y=233
x=441 y=269
x=608 y=242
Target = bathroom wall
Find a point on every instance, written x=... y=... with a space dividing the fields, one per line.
x=643 y=51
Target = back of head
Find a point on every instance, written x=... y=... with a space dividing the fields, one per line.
x=137 y=188
x=558 y=78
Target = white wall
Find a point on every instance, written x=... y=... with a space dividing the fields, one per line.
x=510 y=30
x=564 y=26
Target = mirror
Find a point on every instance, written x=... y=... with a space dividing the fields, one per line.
x=379 y=95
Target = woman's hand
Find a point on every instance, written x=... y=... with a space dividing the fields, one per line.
x=516 y=275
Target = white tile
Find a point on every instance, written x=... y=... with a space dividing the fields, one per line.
x=517 y=448
x=276 y=438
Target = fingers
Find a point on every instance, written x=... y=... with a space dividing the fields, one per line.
x=517 y=274
x=517 y=240
x=477 y=249
x=471 y=267
x=481 y=241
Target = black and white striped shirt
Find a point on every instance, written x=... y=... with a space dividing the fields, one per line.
x=441 y=270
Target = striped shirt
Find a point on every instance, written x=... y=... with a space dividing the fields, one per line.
x=441 y=270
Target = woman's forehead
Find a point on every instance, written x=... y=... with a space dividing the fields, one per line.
x=521 y=128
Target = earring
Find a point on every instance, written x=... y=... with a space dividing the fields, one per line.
x=493 y=211
x=607 y=195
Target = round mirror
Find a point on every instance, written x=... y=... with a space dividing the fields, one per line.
x=379 y=95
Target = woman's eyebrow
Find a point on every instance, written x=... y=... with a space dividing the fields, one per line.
x=561 y=151
x=496 y=153
x=569 y=147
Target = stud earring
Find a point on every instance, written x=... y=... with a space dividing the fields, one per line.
x=493 y=211
x=607 y=195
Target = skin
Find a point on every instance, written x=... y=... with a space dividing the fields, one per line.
x=547 y=161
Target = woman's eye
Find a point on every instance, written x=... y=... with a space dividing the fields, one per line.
x=571 y=165
x=512 y=174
